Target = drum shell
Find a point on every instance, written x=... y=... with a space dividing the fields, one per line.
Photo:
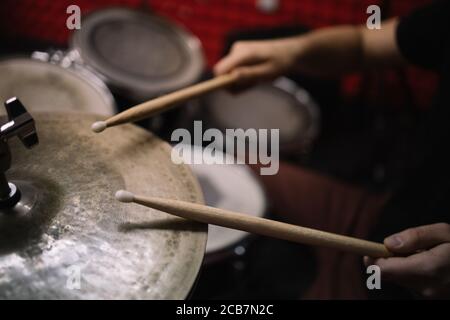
x=59 y=86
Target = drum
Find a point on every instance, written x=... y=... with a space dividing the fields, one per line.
x=45 y=86
x=139 y=55
x=232 y=187
x=279 y=105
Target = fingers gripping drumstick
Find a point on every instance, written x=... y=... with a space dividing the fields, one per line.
x=257 y=225
x=163 y=103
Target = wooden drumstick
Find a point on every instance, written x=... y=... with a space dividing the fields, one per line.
x=261 y=226
x=163 y=103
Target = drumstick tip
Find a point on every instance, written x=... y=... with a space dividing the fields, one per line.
x=124 y=196
x=98 y=126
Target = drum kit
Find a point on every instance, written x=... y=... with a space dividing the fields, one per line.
x=63 y=234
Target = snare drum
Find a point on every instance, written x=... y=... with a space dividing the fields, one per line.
x=232 y=187
x=279 y=105
x=44 y=86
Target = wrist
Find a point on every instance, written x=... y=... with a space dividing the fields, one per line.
x=296 y=46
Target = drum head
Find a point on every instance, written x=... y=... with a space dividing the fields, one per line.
x=280 y=105
x=142 y=54
x=43 y=86
x=227 y=186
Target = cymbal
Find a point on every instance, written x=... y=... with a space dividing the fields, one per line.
x=69 y=238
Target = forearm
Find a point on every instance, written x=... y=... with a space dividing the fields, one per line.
x=330 y=51
x=339 y=50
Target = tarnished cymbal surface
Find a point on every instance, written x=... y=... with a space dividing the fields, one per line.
x=78 y=242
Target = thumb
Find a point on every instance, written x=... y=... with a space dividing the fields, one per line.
x=420 y=238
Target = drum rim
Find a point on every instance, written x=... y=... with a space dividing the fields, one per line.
x=81 y=73
x=305 y=98
x=298 y=93
x=227 y=252
x=141 y=89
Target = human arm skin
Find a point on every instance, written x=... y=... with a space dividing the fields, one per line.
x=327 y=52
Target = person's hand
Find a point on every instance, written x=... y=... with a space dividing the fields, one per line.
x=255 y=61
x=423 y=264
